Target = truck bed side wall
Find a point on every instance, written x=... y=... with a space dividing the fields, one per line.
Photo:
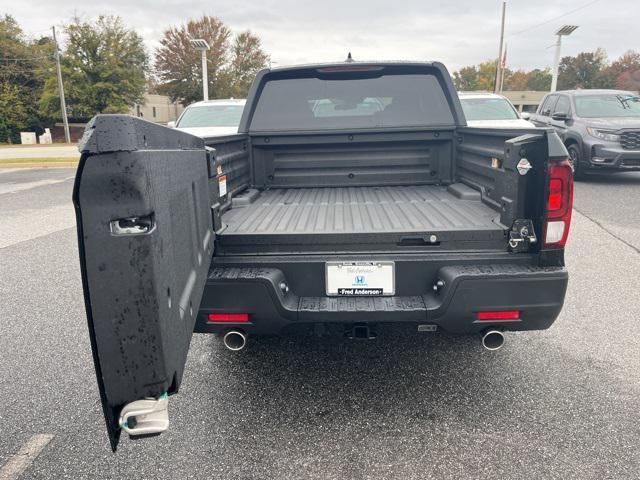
x=232 y=157
x=487 y=160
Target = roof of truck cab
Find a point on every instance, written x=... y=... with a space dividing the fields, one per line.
x=353 y=66
x=373 y=63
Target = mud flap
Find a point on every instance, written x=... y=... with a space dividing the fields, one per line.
x=145 y=237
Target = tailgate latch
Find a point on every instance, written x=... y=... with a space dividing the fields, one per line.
x=521 y=235
x=133 y=225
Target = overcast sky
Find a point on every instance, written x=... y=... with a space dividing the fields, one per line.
x=457 y=33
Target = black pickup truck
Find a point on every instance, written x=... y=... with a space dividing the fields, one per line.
x=353 y=196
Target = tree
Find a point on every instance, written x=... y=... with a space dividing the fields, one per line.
x=477 y=77
x=466 y=79
x=23 y=67
x=623 y=73
x=231 y=66
x=539 y=80
x=581 y=71
x=487 y=75
x=629 y=80
x=13 y=112
x=247 y=58
x=104 y=69
x=177 y=63
x=518 y=80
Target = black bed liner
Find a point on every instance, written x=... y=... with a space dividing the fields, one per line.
x=406 y=216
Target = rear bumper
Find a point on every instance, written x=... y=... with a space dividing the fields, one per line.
x=538 y=292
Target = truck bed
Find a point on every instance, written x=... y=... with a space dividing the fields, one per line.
x=405 y=216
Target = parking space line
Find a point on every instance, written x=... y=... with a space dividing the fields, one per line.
x=18 y=187
x=18 y=463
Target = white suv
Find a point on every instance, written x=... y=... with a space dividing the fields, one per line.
x=211 y=118
x=491 y=110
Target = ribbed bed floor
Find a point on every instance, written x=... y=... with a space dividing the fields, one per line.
x=358 y=210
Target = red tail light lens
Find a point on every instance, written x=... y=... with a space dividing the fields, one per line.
x=228 y=318
x=559 y=204
x=554 y=200
x=499 y=315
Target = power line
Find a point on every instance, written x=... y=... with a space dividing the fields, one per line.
x=554 y=18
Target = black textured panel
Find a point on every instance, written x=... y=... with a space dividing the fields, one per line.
x=142 y=292
x=124 y=133
x=232 y=155
x=362 y=309
x=361 y=304
x=401 y=209
x=340 y=165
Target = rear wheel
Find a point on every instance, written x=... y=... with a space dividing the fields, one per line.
x=574 y=158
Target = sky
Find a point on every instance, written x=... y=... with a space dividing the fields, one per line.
x=457 y=33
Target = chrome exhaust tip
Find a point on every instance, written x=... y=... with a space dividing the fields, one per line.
x=492 y=339
x=235 y=340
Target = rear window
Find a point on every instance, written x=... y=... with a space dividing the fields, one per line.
x=325 y=104
x=488 y=109
x=211 y=116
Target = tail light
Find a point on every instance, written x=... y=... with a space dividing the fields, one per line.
x=228 y=318
x=497 y=315
x=559 y=204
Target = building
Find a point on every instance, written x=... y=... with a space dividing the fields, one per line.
x=525 y=100
x=157 y=108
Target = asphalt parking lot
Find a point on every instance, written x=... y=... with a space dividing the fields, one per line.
x=562 y=403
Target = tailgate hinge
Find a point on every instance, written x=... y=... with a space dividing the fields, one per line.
x=521 y=235
x=145 y=417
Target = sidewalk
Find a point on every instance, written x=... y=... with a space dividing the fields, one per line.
x=39 y=151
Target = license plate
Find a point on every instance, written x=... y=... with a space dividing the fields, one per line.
x=363 y=279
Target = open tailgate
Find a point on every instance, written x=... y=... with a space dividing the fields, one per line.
x=145 y=237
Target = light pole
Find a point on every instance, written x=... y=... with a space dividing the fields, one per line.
x=203 y=46
x=564 y=31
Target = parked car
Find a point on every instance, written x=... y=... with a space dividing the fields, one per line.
x=211 y=118
x=600 y=128
x=489 y=110
x=312 y=218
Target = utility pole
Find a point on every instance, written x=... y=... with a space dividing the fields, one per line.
x=63 y=105
x=498 y=83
